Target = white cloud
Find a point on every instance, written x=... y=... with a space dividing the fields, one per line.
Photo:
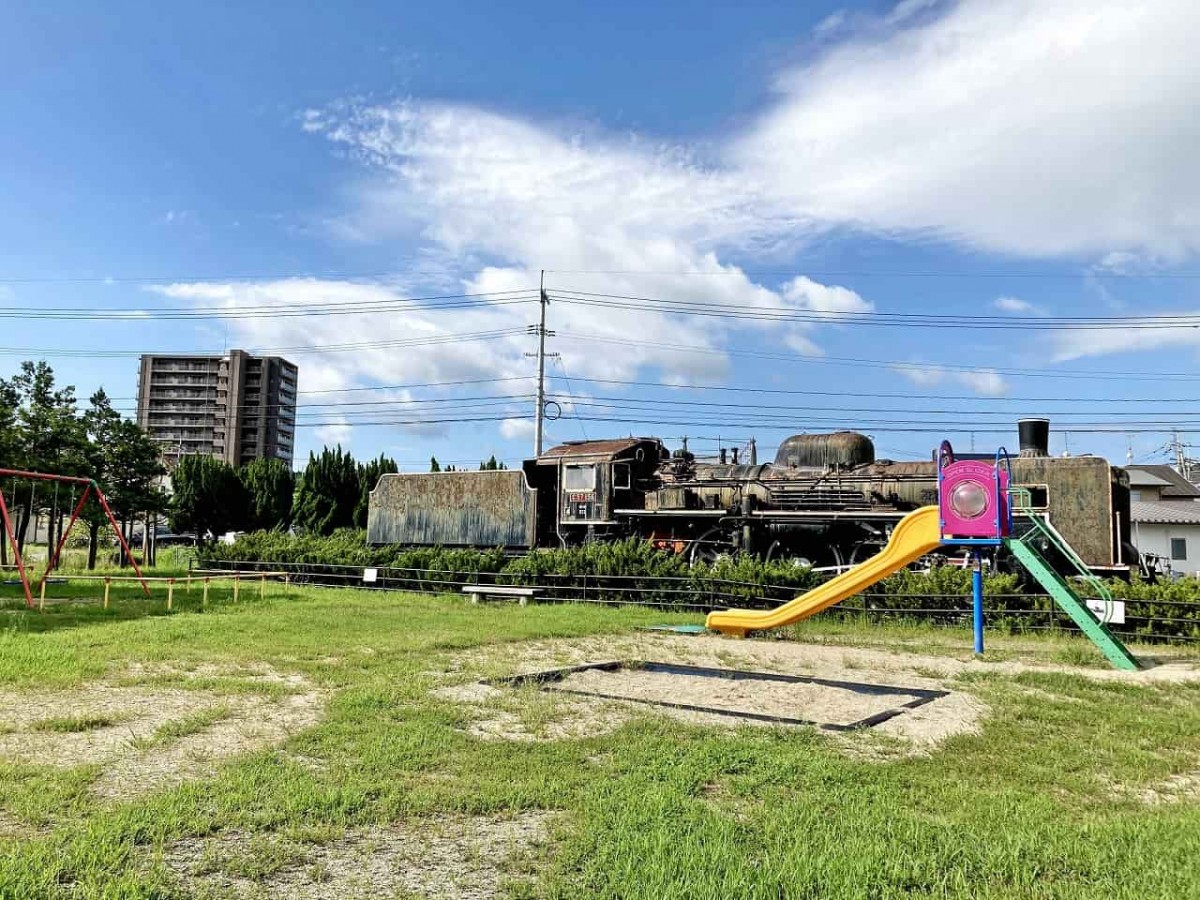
x=804 y=293
x=985 y=382
x=1014 y=305
x=338 y=432
x=1079 y=343
x=909 y=9
x=831 y=24
x=1048 y=128
x=1036 y=127
x=476 y=186
x=517 y=428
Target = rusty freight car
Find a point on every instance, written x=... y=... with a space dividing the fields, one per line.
x=453 y=509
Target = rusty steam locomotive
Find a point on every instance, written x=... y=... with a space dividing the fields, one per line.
x=826 y=500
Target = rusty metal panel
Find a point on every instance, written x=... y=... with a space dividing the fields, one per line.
x=606 y=449
x=482 y=509
x=1080 y=500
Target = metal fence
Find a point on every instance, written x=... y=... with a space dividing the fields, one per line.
x=1151 y=620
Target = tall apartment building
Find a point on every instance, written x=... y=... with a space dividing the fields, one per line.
x=236 y=407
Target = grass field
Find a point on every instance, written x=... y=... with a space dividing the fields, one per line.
x=305 y=743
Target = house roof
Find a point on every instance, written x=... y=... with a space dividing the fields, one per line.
x=1178 y=486
x=1146 y=479
x=1174 y=513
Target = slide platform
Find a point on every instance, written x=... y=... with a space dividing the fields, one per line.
x=915 y=535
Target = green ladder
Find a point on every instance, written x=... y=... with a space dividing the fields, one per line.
x=1110 y=645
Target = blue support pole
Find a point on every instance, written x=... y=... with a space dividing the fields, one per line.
x=977 y=606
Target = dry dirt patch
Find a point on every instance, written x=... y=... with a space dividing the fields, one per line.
x=441 y=859
x=820 y=702
x=1181 y=787
x=146 y=737
x=916 y=730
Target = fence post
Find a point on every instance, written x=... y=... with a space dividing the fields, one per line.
x=107 y=582
x=170 y=594
x=42 y=596
x=204 y=601
x=189 y=580
x=237 y=580
x=287 y=584
x=262 y=587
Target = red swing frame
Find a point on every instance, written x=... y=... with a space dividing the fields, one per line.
x=90 y=487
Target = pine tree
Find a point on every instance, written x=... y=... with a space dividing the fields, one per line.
x=208 y=497
x=368 y=476
x=329 y=492
x=270 y=486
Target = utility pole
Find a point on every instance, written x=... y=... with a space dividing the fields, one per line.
x=543 y=302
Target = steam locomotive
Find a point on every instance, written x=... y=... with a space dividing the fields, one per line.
x=826 y=500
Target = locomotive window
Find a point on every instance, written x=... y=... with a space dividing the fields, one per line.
x=579 y=478
x=622 y=477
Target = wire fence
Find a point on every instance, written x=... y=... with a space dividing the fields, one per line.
x=1174 y=621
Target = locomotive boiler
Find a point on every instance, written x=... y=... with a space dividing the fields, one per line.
x=826 y=500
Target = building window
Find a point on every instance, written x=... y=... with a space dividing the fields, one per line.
x=1179 y=548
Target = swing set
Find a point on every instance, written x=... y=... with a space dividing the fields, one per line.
x=90 y=488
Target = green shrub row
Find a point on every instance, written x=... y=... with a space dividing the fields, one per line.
x=633 y=571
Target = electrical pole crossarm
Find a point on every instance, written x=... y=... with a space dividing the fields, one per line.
x=539 y=418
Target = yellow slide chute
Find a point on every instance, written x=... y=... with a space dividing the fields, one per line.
x=915 y=535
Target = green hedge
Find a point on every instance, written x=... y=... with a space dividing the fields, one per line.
x=632 y=570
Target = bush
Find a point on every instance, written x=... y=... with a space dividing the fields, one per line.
x=633 y=571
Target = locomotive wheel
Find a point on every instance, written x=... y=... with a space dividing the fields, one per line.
x=830 y=557
x=711 y=546
x=865 y=550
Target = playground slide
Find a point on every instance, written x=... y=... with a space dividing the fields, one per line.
x=914 y=536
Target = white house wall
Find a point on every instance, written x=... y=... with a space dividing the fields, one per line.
x=1154 y=538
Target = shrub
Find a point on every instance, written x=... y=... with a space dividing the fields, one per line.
x=633 y=571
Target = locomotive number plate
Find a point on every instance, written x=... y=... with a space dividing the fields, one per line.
x=580 y=498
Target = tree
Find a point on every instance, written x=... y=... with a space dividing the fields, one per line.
x=102 y=428
x=368 y=476
x=433 y=464
x=270 y=486
x=50 y=437
x=131 y=482
x=9 y=443
x=329 y=493
x=209 y=498
x=491 y=465
x=9 y=440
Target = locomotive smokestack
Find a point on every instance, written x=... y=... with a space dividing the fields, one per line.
x=1034 y=435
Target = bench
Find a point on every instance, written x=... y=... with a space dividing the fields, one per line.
x=481 y=592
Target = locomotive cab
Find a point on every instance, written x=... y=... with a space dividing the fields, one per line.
x=594 y=479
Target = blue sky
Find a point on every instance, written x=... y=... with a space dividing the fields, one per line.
x=825 y=171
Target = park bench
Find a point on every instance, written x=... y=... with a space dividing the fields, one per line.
x=480 y=592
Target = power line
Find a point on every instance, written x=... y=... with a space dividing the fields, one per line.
x=868 y=426
x=907 y=365
x=291 y=310
x=739 y=272
x=428 y=340
x=875 y=318
x=908 y=395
